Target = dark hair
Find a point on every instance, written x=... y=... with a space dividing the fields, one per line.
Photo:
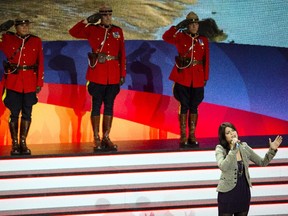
x=221 y=134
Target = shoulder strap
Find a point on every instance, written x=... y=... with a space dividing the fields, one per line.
x=16 y=51
x=103 y=42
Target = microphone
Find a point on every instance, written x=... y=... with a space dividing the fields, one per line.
x=237 y=143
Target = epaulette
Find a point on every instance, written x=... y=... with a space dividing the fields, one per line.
x=10 y=33
x=115 y=26
x=31 y=35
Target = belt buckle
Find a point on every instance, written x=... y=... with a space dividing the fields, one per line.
x=23 y=68
x=108 y=58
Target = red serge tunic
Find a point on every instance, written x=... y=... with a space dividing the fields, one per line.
x=111 y=71
x=194 y=75
x=24 y=81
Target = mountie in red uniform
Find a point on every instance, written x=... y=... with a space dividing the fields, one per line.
x=106 y=71
x=23 y=79
x=190 y=73
x=113 y=45
x=28 y=59
x=196 y=74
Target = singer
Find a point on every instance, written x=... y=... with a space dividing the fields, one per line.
x=233 y=159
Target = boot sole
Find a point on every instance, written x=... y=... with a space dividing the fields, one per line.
x=25 y=153
x=15 y=154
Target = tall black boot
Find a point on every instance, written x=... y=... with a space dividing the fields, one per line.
x=24 y=128
x=13 y=126
x=95 y=122
x=183 y=124
x=107 y=123
x=193 y=118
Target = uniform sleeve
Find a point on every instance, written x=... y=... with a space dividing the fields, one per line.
x=255 y=158
x=170 y=35
x=40 y=79
x=3 y=38
x=79 y=30
x=207 y=59
x=122 y=55
x=1 y=44
x=225 y=162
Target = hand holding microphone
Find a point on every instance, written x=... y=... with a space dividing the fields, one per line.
x=235 y=143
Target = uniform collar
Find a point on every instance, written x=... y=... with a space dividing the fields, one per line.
x=193 y=35
x=23 y=37
x=105 y=26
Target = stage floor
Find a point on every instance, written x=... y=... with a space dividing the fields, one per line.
x=132 y=146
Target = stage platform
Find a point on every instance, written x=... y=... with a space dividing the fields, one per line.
x=151 y=177
x=131 y=146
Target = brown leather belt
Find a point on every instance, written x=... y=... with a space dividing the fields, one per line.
x=24 y=67
x=188 y=60
x=196 y=62
x=109 y=57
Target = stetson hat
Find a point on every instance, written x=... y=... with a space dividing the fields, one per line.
x=193 y=17
x=20 y=21
x=105 y=9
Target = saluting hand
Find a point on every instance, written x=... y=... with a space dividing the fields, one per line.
x=183 y=24
x=94 y=18
x=276 y=143
x=6 y=25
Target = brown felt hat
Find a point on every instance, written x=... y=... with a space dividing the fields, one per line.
x=105 y=9
x=21 y=21
x=193 y=17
